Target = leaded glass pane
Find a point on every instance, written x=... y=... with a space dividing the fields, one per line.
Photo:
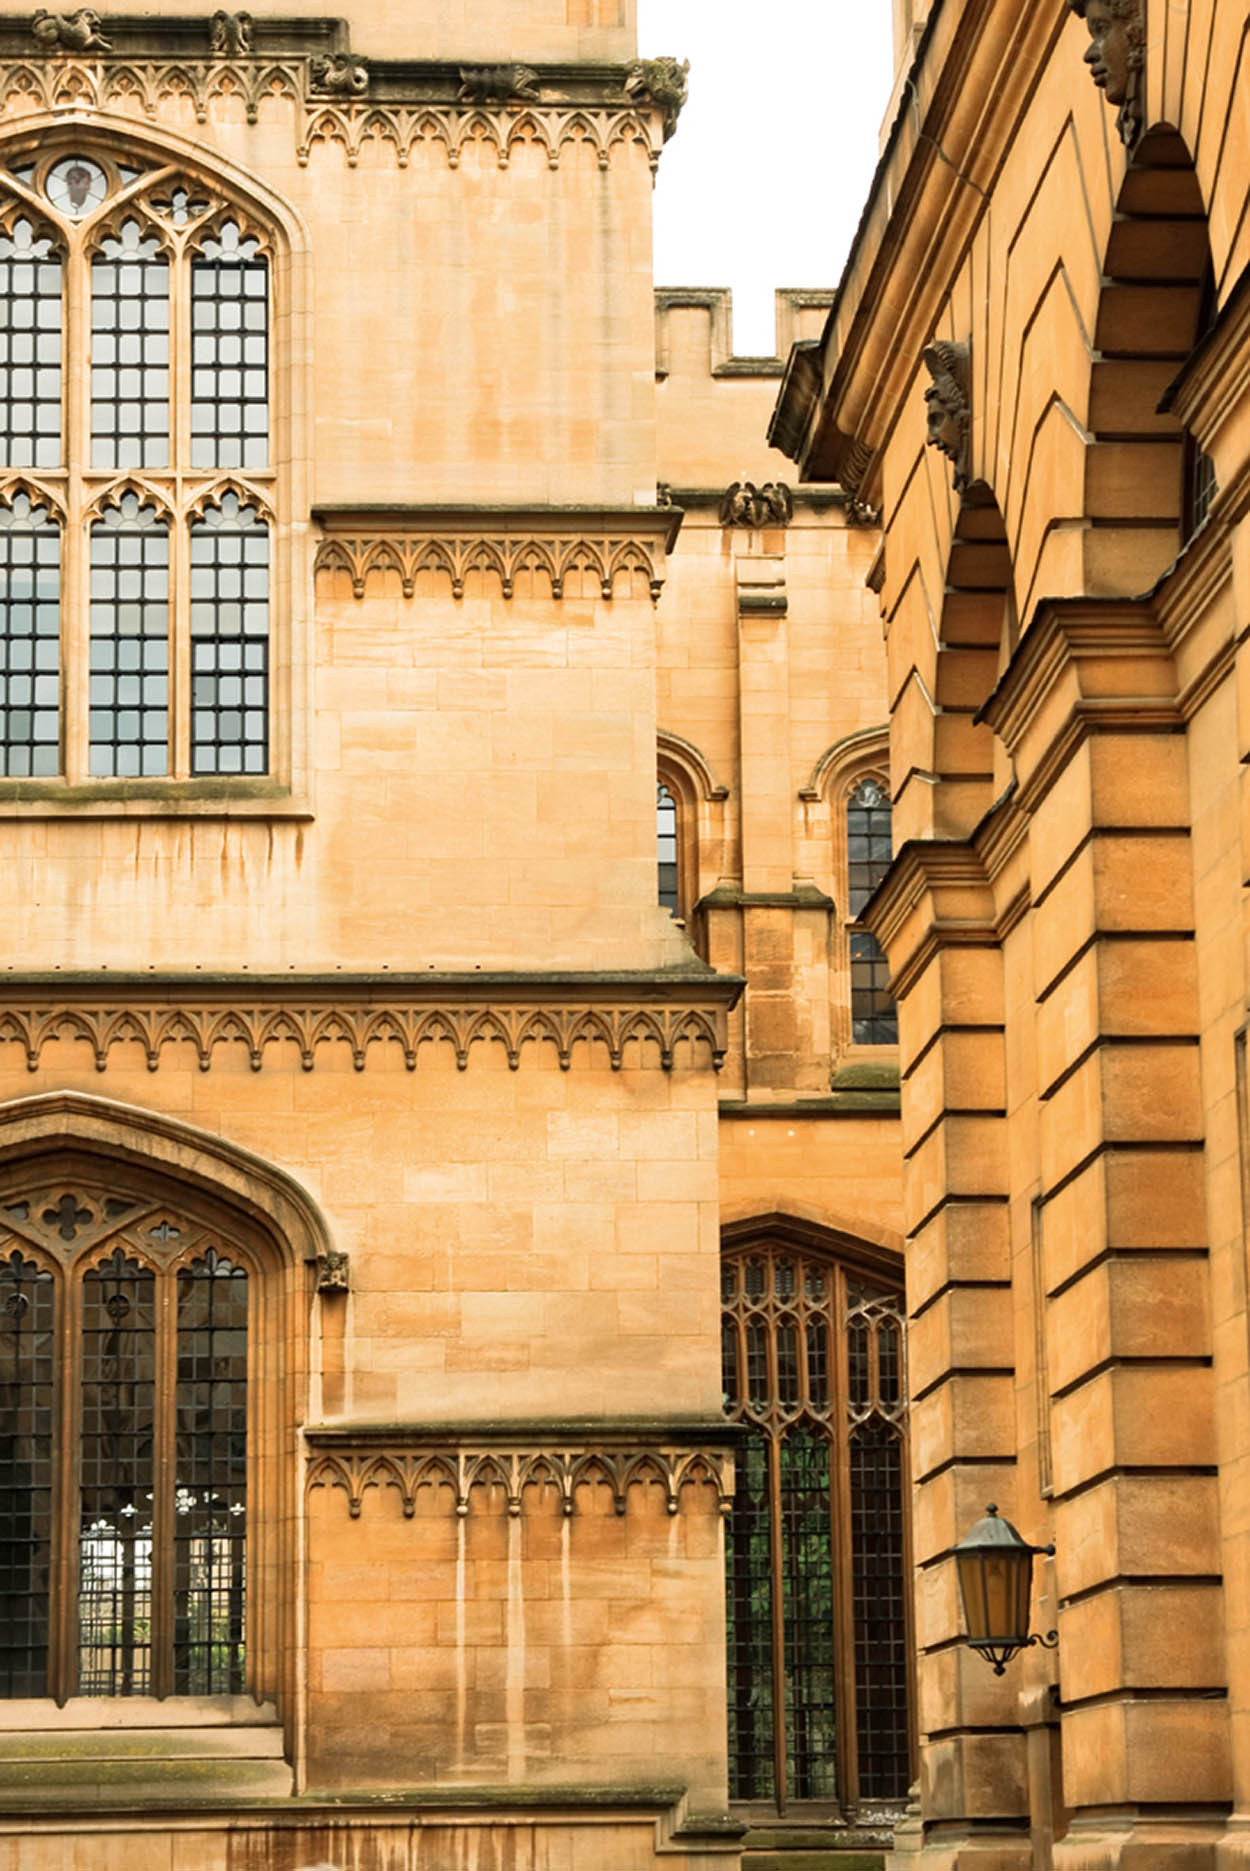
x=130 y=352
x=666 y=848
x=26 y=1403
x=30 y=349
x=210 y=1500
x=807 y=1588
x=30 y=640
x=230 y=640
x=749 y=1595
x=129 y=714
x=116 y=1479
x=796 y=1566
x=878 y=1588
x=229 y=353
x=874 y=1018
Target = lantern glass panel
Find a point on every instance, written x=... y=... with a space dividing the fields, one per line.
x=996 y=1589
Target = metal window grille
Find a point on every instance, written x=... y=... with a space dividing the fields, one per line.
x=26 y=1397
x=229 y=353
x=130 y=352
x=129 y=715
x=666 y=849
x=116 y=1448
x=30 y=640
x=210 y=1499
x=874 y=1017
x=229 y=640
x=30 y=349
x=147 y=1499
x=818 y=1654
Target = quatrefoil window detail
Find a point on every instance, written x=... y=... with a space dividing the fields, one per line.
x=67 y=1218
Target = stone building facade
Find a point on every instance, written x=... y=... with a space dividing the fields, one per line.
x=1036 y=368
x=450 y=1214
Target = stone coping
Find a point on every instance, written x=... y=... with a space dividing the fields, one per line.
x=604 y=1432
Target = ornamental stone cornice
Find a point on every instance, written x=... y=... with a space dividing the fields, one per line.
x=337 y=94
x=502 y=542
x=644 y=1019
x=1083 y=665
x=975 y=72
x=936 y=894
x=524 y=1460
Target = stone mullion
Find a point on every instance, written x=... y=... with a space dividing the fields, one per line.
x=1122 y=1245
x=949 y=981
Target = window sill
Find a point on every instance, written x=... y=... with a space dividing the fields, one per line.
x=41 y=1713
x=236 y=796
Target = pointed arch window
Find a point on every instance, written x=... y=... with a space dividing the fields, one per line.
x=135 y=388
x=124 y=1448
x=869 y=849
x=667 y=850
x=817 y=1541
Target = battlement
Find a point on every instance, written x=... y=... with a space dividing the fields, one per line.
x=712 y=407
x=694 y=330
x=560 y=32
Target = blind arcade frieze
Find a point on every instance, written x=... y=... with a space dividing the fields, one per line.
x=558 y=553
x=624 y=1031
x=193 y=68
x=521 y=1474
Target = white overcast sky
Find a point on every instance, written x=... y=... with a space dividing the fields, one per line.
x=764 y=181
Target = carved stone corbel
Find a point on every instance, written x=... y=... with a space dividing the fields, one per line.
x=333 y=1268
x=948 y=405
x=339 y=74
x=69 y=32
x=1117 y=58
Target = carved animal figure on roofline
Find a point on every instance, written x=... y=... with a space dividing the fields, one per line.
x=340 y=74
x=231 y=34
x=947 y=406
x=1117 y=57
x=69 y=32
x=483 y=84
x=662 y=80
x=744 y=504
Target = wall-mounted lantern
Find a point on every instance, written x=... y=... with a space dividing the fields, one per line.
x=995 y=1567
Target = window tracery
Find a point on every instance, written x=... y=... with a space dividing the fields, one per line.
x=134 y=372
x=123 y=1447
x=812 y=1354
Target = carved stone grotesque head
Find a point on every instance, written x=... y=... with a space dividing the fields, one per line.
x=1116 y=56
x=947 y=405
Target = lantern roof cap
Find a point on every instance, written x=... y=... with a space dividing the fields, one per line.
x=993 y=1533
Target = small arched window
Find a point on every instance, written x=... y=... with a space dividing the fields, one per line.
x=666 y=850
x=816 y=1547
x=869 y=849
x=134 y=385
x=124 y=1462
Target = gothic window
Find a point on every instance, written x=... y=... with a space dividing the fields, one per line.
x=666 y=849
x=136 y=477
x=816 y=1547
x=123 y=1448
x=874 y=1017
